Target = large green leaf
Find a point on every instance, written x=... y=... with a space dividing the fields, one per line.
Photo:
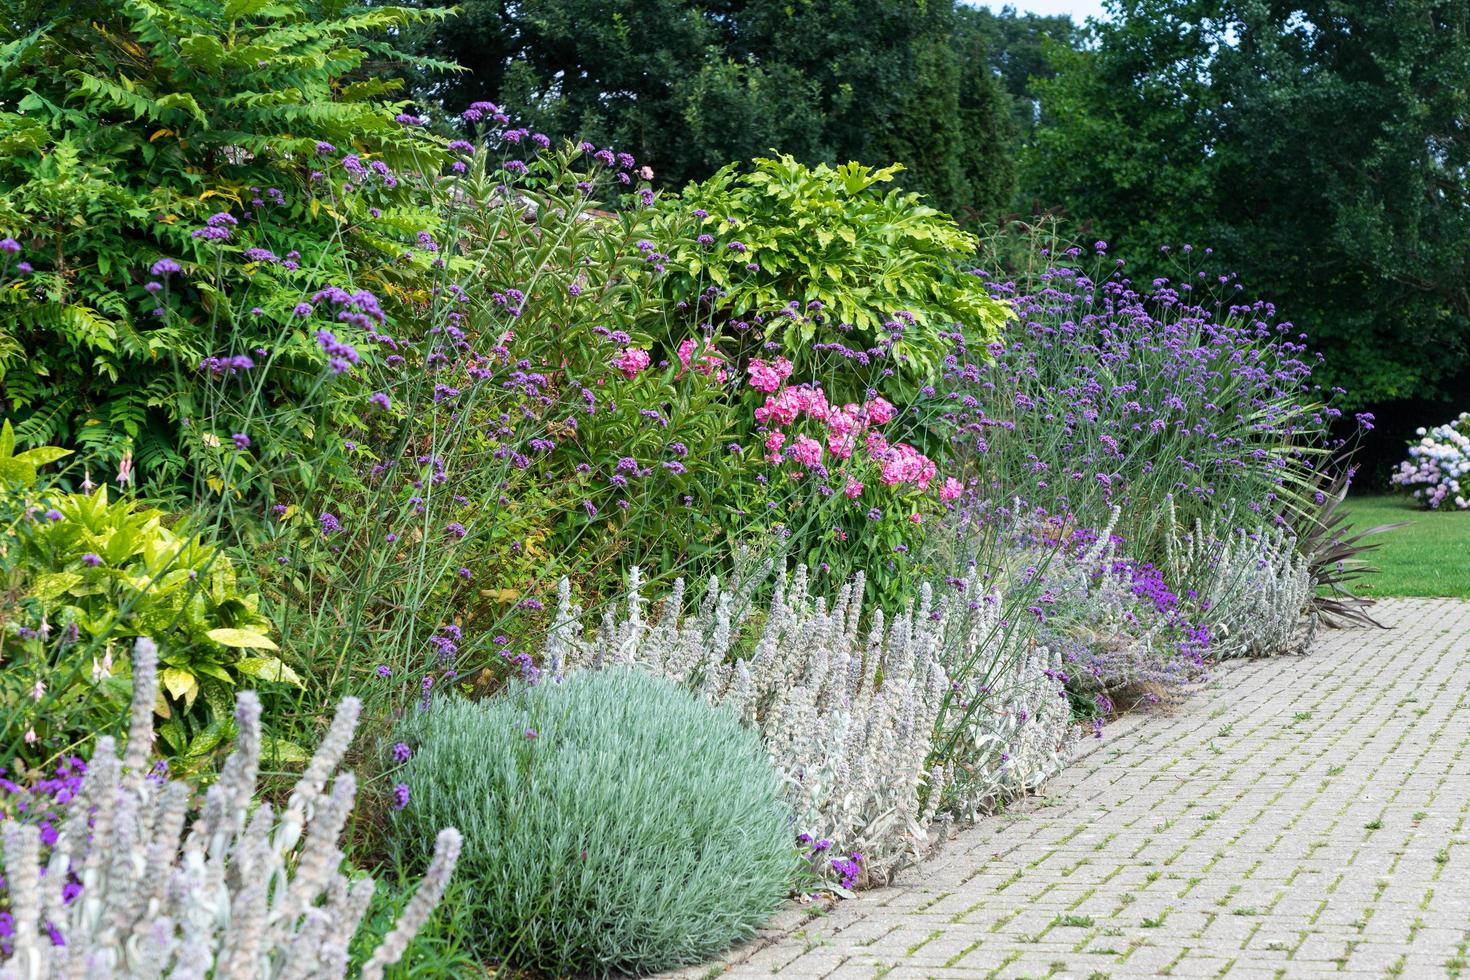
x=241 y=638
x=52 y=585
x=267 y=669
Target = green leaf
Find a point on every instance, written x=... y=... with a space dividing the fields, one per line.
x=277 y=750
x=268 y=669
x=246 y=639
x=17 y=471
x=207 y=740
x=39 y=456
x=180 y=684
x=52 y=585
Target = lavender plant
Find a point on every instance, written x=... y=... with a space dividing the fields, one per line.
x=1115 y=393
x=615 y=822
x=1120 y=632
x=1252 y=586
x=132 y=888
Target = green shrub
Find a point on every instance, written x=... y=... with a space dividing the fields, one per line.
x=613 y=821
x=126 y=124
x=82 y=574
x=851 y=257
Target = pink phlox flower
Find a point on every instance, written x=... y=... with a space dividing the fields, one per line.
x=786 y=405
x=630 y=361
x=768 y=377
x=710 y=363
x=880 y=410
x=903 y=463
x=806 y=451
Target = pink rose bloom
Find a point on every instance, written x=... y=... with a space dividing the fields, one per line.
x=768 y=377
x=880 y=411
x=951 y=490
x=806 y=451
x=853 y=490
x=631 y=360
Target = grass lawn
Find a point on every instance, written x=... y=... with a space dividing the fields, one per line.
x=1430 y=557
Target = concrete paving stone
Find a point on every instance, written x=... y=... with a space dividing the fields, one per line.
x=1319 y=747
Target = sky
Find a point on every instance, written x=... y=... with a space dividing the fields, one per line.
x=1079 y=9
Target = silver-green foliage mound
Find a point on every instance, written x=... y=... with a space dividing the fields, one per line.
x=613 y=822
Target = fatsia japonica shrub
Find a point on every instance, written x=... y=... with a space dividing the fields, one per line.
x=189 y=132
x=613 y=822
x=118 y=880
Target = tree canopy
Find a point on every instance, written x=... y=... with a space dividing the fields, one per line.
x=690 y=85
x=1319 y=146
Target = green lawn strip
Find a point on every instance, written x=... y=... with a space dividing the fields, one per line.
x=1430 y=557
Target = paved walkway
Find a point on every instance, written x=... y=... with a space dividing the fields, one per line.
x=1303 y=817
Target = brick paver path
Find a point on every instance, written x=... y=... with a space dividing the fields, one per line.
x=1302 y=817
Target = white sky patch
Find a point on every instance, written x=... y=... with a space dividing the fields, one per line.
x=1079 y=10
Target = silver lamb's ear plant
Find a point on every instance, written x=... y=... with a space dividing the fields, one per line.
x=1255 y=587
x=244 y=894
x=849 y=717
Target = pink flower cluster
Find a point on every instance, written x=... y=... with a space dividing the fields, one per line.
x=768 y=377
x=631 y=360
x=898 y=463
x=710 y=363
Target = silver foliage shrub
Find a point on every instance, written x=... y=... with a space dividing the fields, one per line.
x=243 y=892
x=1254 y=587
x=851 y=708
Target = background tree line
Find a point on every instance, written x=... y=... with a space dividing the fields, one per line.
x=1319 y=146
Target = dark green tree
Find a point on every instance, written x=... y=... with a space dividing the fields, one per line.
x=1320 y=146
x=1010 y=45
x=690 y=85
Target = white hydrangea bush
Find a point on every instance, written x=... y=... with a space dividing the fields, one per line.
x=857 y=712
x=1254 y=587
x=1437 y=472
x=242 y=892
